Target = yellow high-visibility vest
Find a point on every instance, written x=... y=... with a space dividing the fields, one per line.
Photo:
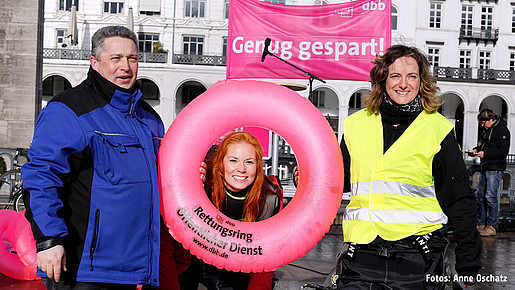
x=393 y=194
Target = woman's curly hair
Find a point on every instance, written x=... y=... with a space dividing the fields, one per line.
x=429 y=91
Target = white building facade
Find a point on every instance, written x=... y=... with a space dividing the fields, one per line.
x=471 y=45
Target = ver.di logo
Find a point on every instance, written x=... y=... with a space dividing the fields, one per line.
x=345 y=12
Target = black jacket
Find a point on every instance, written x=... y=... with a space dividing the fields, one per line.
x=452 y=187
x=495 y=142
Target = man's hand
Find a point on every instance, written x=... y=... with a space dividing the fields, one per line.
x=474 y=152
x=203 y=171
x=52 y=261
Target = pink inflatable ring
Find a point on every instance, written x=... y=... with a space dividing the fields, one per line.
x=258 y=246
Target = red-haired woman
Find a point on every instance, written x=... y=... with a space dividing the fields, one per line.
x=239 y=188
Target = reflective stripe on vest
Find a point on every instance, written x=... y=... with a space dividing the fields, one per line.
x=392 y=187
x=393 y=194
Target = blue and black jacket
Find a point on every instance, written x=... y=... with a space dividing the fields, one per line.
x=91 y=183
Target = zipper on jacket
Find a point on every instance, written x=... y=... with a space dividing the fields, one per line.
x=136 y=126
x=133 y=101
x=150 y=240
x=94 y=239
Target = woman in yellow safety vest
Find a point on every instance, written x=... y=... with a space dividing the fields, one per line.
x=408 y=181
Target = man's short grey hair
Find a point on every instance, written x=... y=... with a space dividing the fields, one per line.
x=97 y=41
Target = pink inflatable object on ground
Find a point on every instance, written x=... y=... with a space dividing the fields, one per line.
x=15 y=229
x=22 y=240
x=259 y=246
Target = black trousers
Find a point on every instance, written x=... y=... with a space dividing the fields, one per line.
x=50 y=284
x=395 y=265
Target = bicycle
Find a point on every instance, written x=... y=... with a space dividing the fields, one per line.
x=13 y=179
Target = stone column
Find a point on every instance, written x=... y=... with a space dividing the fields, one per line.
x=511 y=125
x=20 y=76
x=469 y=130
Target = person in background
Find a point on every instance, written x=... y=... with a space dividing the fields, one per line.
x=91 y=185
x=407 y=179
x=494 y=146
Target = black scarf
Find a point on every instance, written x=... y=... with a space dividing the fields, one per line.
x=396 y=119
x=106 y=87
x=398 y=114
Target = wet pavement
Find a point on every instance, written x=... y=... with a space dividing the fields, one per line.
x=498 y=259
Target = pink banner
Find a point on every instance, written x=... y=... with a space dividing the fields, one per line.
x=264 y=137
x=333 y=42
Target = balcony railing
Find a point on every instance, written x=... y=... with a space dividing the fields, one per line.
x=478 y=34
x=473 y=74
x=59 y=53
x=452 y=72
x=212 y=60
x=82 y=54
x=493 y=74
x=161 y=57
x=479 y=1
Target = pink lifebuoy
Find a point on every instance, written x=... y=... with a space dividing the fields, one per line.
x=264 y=245
x=11 y=263
x=23 y=242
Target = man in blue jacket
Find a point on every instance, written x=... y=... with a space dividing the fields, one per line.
x=493 y=148
x=91 y=188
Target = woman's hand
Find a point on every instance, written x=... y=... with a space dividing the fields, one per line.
x=296 y=176
x=203 y=171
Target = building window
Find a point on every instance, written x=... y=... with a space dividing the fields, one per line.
x=147 y=41
x=321 y=2
x=195 y=8
x=433 y=54
x=466 y=19
x=190 y=92
x=113 y=7
x=512 y=60
x=148 y=7
x=66 y=5
x=318 y=98
x=283 y=171
x=284 y=147
x=61 y=38
x=394 y=18
x=193 y=45
x=465 y=58
x=484 y=60
x=486 y=18
x=224 y=46
x=355 y=101
x=276 y=1
x=513 y=20
x=149 y=89
x=54 y=85
x=435 y=15
x=150 y=13
x=226 y=11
